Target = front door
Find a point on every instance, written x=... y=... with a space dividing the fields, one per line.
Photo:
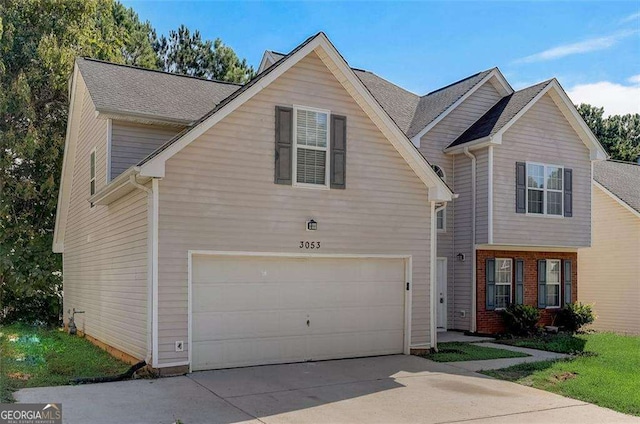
x=441 y=276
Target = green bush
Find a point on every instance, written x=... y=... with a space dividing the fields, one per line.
x=521 y=320
x=573 y=316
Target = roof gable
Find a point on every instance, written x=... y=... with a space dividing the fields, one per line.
x=153 y=165
x=492 y=125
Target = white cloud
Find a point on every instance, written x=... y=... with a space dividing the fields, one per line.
x=616 y=99
x=630 y=18
x=634 y=79
x=586 y=46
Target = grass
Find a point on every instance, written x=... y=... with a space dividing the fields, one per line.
x=561 y=343
x=457 y=351
x=37 y=356
x=606 y=373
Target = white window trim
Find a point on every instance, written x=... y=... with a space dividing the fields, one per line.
x=544 y=190
x=495 y=282
x=559 y=283
x=294 y=159
x=92 y=178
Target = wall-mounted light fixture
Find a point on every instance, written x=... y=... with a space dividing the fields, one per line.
x=312 y=225
x=460 y=257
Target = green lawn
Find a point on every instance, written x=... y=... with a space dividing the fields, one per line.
x=607 y=372
x=562 y=343
x=457 y=351
x=36 y=356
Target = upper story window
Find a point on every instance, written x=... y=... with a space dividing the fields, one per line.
x=545 y=189
x=92 y=172
x=441 y=215
x=311 y=147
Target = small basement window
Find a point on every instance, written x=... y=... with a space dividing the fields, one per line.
x=311 y=147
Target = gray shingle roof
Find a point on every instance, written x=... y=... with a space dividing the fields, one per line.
x=130 y=90
x=500 y=114
x=621 y=179
x=399 y=103
x=433 y=104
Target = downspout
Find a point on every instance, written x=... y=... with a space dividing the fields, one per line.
x=132 y=180
x=473 y=239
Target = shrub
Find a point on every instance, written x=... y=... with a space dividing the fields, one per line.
x=573 y=316
x=521 y=320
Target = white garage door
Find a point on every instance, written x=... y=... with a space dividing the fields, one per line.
x=267 y=310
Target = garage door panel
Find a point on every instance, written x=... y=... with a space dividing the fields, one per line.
x=249 y=311
x=247 y=352
x=244 y=325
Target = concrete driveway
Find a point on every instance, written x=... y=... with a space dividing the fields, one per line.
x=386 y=389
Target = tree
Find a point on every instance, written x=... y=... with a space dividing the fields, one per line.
x=187 y=53
x=618 y=134
x=39 y=40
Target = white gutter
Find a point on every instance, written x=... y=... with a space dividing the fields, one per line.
x=473 y=239
x=433 y=275
x=150 y=280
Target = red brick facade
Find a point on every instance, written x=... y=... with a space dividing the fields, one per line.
x=490 y=322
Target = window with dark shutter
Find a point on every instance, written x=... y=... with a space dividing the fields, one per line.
x=519 y=282
x=490 y=277
x=542 y=283
x=284 y=138
x=567 y=281
x=568 y=192
x=338 y=151
x=521 y=187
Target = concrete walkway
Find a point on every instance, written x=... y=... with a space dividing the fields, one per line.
x=386 y=389
x=535 y=355
x=459 y=336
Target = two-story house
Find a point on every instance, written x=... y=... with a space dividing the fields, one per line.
x=310 y=213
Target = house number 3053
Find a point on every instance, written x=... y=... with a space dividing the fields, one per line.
x=309 y=245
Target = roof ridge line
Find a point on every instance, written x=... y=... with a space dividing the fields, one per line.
x=459 y=81
x=139 y=68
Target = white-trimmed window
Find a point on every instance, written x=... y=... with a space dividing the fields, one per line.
x=553 y=283
x=92 y=172
x=503 y=281
x=544 y=189
x=311 y=147
x=441 y=215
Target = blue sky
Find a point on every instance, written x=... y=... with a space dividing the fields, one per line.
x=593 y=48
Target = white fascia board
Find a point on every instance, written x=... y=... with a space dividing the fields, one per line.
x=64 y=193
x=475 y=144
x=495 y=73
x=142 y=118
x=528 y=247
x=156 y=166
x=616 y=198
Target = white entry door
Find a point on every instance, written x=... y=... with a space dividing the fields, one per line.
x=441 y=276
x=249 y=310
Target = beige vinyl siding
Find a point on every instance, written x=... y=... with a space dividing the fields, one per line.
x=105 y=257
x=609 y=271
x=462 y=243
x=132 y=142
x=543 y=135
x=482 y=195
x=218 y=194
x=432 y=145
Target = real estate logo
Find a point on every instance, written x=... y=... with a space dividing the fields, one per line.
x=31 y=413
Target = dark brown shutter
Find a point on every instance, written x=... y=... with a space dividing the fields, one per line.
x=521 y=187
x=284 y=141
x=568 y=192
x=490 y=278
x=338 y=151
x=519 y=281
x=542 y=283
x=567 y=281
